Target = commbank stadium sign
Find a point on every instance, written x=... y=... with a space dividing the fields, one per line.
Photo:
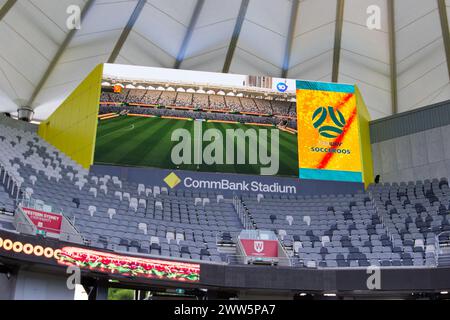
x=225 y=184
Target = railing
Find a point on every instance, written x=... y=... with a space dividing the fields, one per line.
x=381 y=216
x=242 y=259
x=30 y=229
x=284 y=251
x=246 y=220
x=441 y=245
x=23 y=224
x=11 y=182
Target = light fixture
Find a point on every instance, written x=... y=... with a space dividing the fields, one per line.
x=444 y=292
x=329 y=294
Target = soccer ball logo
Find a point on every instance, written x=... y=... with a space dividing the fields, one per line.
x=328 y=131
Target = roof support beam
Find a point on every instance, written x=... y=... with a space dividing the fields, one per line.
x=445 y=32
x=126 y=31
x=58 y=54
x=6 y=7
x=290 y=38
x=337 y=40
x=188 y=35
x=235 y=36
x=392 y=55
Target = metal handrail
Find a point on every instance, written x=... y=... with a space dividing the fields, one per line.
x=243 y=214
x=439 y=244
x=239 y=258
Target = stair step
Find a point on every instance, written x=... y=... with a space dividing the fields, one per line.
x=444 y=259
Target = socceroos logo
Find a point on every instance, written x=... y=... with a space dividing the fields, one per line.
x=328 y=131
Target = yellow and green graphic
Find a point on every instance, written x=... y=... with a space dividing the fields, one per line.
x=329 y=140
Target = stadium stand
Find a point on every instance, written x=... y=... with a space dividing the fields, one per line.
x=233 y=103
x=167 y=98
x=184 y=99
x=249 y=105
x=336 y=231
x=263 y=106
x=190 y=114
x=391 y=225
x=136 y=96
x=202 y=101
x=7 y=205
x=115 y=214
x=217 y=102
x=283 y=108
x=151 y=97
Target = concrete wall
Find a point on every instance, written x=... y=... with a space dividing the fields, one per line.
x=41 y=286
x=417 y=156
x=7 y=286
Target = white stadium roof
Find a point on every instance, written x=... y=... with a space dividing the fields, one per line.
x=42 y=61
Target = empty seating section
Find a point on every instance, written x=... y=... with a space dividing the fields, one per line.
x=390 y=225
x=6 y=203
x=138 y=219
x=116 y=214
x=414 y=214
x=332 y=231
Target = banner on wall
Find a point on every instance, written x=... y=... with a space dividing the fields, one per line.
x=44 y=221
x=260 y=248
x=329 y=145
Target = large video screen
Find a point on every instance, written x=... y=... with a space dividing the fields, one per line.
x=201 y=121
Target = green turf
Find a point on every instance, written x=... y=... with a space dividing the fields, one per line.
x=145 y=142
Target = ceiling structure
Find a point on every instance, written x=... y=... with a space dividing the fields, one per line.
x=401 y=66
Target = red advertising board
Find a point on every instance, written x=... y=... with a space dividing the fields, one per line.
x=260 y=248
x=45 y=221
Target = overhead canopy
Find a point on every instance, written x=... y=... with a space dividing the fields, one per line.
x=42 y=61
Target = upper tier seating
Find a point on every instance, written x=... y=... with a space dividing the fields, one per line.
x=233 y=103
x=249 y=105
x=217 y=102
x=263 y=106
x=283 y=108
x=167 y=98
x=184 y=99
x=202 y=101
